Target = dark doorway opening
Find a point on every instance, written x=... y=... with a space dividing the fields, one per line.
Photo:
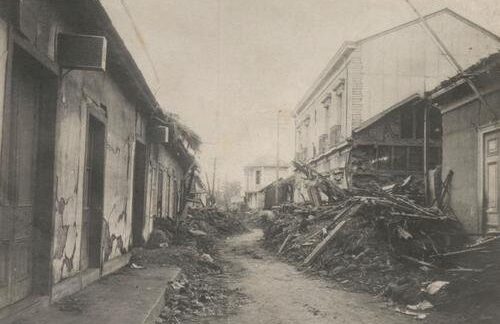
x=26 y=180
x=93 y=196
x=139 y=194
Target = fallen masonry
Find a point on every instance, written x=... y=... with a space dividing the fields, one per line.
x=381 y=241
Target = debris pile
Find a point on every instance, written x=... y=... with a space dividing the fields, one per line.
x=377 y=240
x=186 y=299
x=214 y=221
x=204 y=225
x=190 y=243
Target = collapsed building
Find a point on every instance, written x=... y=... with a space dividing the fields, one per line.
x=88 y=158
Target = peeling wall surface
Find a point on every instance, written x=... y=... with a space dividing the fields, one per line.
x=81 y=92
x=104 y=113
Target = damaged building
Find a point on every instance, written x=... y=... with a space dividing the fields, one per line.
x=470 y=143
x=88 y=158
x=354 y=115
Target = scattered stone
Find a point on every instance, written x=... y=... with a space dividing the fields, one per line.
x=156 y=239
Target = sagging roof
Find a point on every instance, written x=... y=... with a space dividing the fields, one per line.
x=488 y=65
x=369 y=122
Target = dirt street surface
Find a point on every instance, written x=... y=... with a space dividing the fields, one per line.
x=278 y=293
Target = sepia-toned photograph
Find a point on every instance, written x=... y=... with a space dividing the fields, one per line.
x=249 y=161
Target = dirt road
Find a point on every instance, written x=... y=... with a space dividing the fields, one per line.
x=278 y=293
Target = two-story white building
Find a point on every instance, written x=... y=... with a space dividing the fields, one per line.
x=368 y=76
x=260 y=174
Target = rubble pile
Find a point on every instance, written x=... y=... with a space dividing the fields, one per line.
x=203 y=225
x=190 y=243
x=189 y=299
x=214 y=221
x=381 y=241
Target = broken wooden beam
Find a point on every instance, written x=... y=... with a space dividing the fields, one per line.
x=321 y=246
x=436 y=218
x=458 y=252
x=289 y=236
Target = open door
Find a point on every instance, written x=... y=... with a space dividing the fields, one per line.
x=26 y=163
x=93 y=195
x=139 y=194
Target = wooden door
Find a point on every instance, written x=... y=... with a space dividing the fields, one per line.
x=18 y=174
x=159 y=204
x=93 y=195
x=491 y=180
x=138 y=200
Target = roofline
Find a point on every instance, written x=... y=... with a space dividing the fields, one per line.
x=327 y=71
x=117 y=44
x=339 y=147
x=331 y=64
x=370 y=121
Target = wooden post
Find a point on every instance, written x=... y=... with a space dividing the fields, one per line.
x=276 y=192
x=426 y=151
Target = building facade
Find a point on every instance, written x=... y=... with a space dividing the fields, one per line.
x=471 y=135
x=81 y=175
x=368 y=76
x=259 y=175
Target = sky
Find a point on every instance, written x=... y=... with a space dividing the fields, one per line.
x=233 y=70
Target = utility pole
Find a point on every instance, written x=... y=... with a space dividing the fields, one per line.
x=213 y=177
x=277 y=156
x=426 y=152
x=447 y=54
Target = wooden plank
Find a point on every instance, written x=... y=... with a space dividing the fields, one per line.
x=321 y=246
x=284 y=243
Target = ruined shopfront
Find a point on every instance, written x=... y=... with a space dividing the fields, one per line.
x=403 y=140
x=74 y=143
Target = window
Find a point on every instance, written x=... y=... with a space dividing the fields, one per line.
x=340 y=106
x=257 y=177
x=384 y=157
x=400 y=158
x=416 y=159
x=412 y=123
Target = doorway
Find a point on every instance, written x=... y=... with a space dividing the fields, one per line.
x=139 y=194
x=93 y=195
x=26 y=180
x=491 y=181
